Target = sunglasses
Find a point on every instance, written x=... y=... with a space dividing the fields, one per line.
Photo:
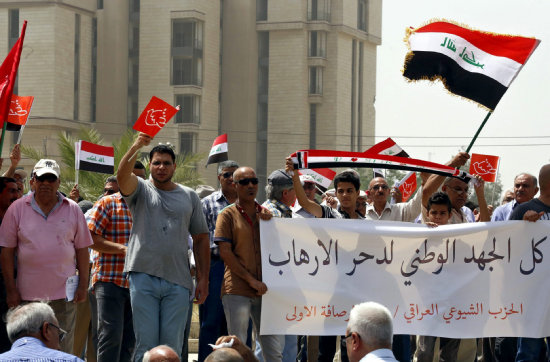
x=383 y=187
x=109 y=191
x=47 y=177
x=246 y=181
x=227 y=174
x=62 y=332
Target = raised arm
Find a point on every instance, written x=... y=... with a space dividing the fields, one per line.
x=15 y=157
x=127 y=181
x=435 y=181
x=310 y=206
x=479 y=186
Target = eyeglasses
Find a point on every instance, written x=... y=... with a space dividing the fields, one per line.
x=246 y=181
x=383 y=187
x=460 y=191
x=62 y=332
x=309 y=186
x=227 y=174
x=109 y=191
x=47 y=177
x=348 y=335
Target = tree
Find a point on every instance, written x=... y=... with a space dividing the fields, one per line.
x=90 y=184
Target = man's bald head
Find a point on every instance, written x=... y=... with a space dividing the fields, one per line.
x=544 y=178
x=161 y=354
x=238 y=174
x=224 y=355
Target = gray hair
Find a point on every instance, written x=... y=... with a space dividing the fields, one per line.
x=276 y=191
x=373 y=322
x=111 y=179
x=227 y=164
x=27 y=319
x=533 y=178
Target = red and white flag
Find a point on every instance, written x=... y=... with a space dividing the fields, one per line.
x=155 y=116
x=218 y=152
x=388 y=147
x=322 y=176
x=8 y=73
x=20 y=109
x=485 y=166
x=95 y=158
x=473 y=64
x=407 y=186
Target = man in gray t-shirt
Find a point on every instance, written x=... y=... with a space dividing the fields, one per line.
x=164 y=215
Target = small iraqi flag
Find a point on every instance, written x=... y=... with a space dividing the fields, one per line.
x=94 y=158
x=485 y=166
x=322 y=176
x=473 y=64
x=407 y=186
x=20 y=108
x=155 y=116
x=218 y=153
x=386 y=147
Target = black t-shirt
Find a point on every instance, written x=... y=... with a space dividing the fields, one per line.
x=535 y=205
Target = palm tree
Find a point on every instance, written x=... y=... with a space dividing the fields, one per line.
x=90 y=184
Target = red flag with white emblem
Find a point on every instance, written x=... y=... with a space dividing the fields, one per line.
x=485 y=166
x=155 y=116
x=407 y=186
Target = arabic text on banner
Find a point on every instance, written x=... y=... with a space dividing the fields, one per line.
x=459 y=281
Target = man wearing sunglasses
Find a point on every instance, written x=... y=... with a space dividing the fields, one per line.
x=238 y=237
x=211 y=316
x=49 y=234
x=35 y=334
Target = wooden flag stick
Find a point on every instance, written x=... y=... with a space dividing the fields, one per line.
x=3 y=136
x=478 y=131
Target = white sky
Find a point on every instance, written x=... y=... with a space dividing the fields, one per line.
x=425 y=109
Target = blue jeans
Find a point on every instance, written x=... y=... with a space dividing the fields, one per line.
x=238 y=311
x=290 y=350
x=115 y=333
x=529 y=349
x=211 y=316
x=159 y=310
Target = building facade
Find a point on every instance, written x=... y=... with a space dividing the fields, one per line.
x=275 y=75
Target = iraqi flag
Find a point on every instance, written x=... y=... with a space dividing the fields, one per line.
x=218 y=152
x=473 y=64
x=386 y=147
x=94 y=158
x=407 y=186
x=20 y=109
x=322 y=176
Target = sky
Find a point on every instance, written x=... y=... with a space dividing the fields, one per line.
x=431 y=124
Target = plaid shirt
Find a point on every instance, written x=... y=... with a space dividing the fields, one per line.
x=212 y=205
x=277 y=208
x=110 y=218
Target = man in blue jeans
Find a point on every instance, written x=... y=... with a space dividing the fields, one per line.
x=211 y=316
x=164 y=215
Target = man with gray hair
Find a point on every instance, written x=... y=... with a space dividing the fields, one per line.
x=369 y=333
x=35 y=334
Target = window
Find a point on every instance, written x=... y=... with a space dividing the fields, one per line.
x=13 y=36
x=312 y=126
x=261 y=10
x=187 y=52
x=315 y=80
x=99 y=4
x=362 y=12
x=318 y=10
x=133 y=61
x=76 y=99
x=190 y=108
x=93 y=97
x=317 y=44
x=187 y=143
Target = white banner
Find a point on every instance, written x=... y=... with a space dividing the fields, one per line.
x=459 y=281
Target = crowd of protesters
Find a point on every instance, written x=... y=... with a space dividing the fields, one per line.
x=116 y=279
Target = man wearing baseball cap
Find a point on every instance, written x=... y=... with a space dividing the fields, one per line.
x=50 y=236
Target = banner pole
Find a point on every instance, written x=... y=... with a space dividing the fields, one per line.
x=478 y=131
x=3 y=134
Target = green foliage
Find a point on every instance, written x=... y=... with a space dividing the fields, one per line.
x=90 y=184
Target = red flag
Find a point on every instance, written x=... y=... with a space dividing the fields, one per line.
x=155 y=116
x=8 y=72
x=20 y=109
x=407 y=186
x=485 y=166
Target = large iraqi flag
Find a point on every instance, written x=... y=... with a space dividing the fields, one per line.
x=473 y=64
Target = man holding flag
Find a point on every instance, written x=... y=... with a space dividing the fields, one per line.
x=164 y=215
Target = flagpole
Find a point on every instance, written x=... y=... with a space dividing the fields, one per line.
x=3 y=134
x=478 y=131
x=20 y=134
x=76 y=177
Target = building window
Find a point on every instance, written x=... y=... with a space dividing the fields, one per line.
x=76 y=99
x=190 y=108
x=261 y=10
x=187 y=143
x=133 y=61
x=318 y=10
x=362 y=14
x=315 y=80
x=187 y=35
x=317 y=44
x=13 y=35
x=93 y=99
x=99 y=4
x=312 y=126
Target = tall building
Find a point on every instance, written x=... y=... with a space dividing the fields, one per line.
x=275 y=75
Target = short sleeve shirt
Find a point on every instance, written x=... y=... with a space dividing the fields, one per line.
x=162 y=222
x=535 y=205
x=232 y=227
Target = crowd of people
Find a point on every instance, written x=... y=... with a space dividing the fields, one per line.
x=116 y=279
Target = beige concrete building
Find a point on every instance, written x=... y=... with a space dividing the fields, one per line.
x=275 y=75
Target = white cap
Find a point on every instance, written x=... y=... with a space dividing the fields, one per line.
x=22 y=173
x=45 y=166
x=306 y=178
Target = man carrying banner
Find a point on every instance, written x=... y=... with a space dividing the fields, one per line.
x=538 y=208
x=164 y=214
x=238 y=237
